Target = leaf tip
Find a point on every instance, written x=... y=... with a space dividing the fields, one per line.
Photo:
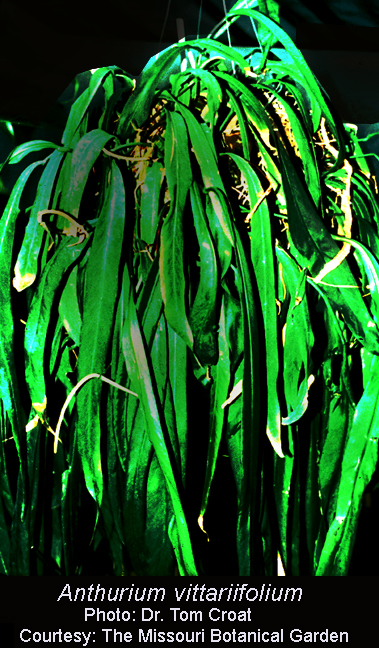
x=20 y=282
x=200 y=521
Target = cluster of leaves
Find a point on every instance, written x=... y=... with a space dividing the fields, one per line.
x=216 y=236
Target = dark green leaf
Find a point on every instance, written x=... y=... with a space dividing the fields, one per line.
x=27 y=261
x=313 y=247
x=40 y=316
x=69 y=307
x=102 y=284
x=81 y=105
x=219 y=394
x=263 y=264
x=143 y=383
x=171 y=261
x=137 y=108
x=358 y=464
x=31 y=147
x=204 y=312
x=84 y=156
x=9 y=391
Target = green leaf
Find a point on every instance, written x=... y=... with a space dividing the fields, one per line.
x=149 y=206
x=249 y=542
x=177 y=360
x=358 y=465
x=113 y=96
x=266 y=37
x=313 y=247
x=142 y=379
x=263 y=264
x=252 y=105
x=209 y=84
x=71 y=499
x=171 y=262
x=40 y=315
x=149 y=503
x=31 y=147
x=20 y=540
x=204 y=312
x=26 y=267
x=222 y=27
x=371 y=267
x=84 y=156
x=283 y=470
x=115 y=485
x=219 y=394
x=298 y=338
x=242 y=123
x=69 y=307
x=118 y=403
x=4 y=543
x=216 y=206
x=282 y=72
x=137 y=109
x=9 y=391
x=336 y=340
x=6 y=493
x=306 y=151
x=112 y=536
x=319 y=105
x=81 y=105
x=337 y=419
x=101 y=288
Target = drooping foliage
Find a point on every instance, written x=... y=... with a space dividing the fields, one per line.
x=192 y=297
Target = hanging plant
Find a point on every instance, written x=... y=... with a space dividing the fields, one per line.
x=214 y=237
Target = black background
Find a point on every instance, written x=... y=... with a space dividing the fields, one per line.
x=44 y=44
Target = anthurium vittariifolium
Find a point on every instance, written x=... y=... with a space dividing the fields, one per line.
x=206 y=235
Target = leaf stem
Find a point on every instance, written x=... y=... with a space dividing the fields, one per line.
x=124 y=157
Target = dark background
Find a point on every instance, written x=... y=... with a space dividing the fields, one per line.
x=44 y=45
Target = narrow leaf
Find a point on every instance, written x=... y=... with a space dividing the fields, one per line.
x=102 y=282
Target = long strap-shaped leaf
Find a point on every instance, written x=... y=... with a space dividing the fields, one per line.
x=306 y=150
x=218 y=217
x=143 y=383
x=178 y=382
x=313 y=247
x=298 y=338
x=318 y=101
x=149 y=204
x=82 y=103
x=69 y=310
x=84 y=156
x=359 y=462
x=9 y=391
x=137 y=108
x=40 y=315
x=248 y=534
x=208 y=82
x=27 y=261
x=219 y=393
x=263 y=264
x=204 y=313
x=171 y=262
x=102 y=284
